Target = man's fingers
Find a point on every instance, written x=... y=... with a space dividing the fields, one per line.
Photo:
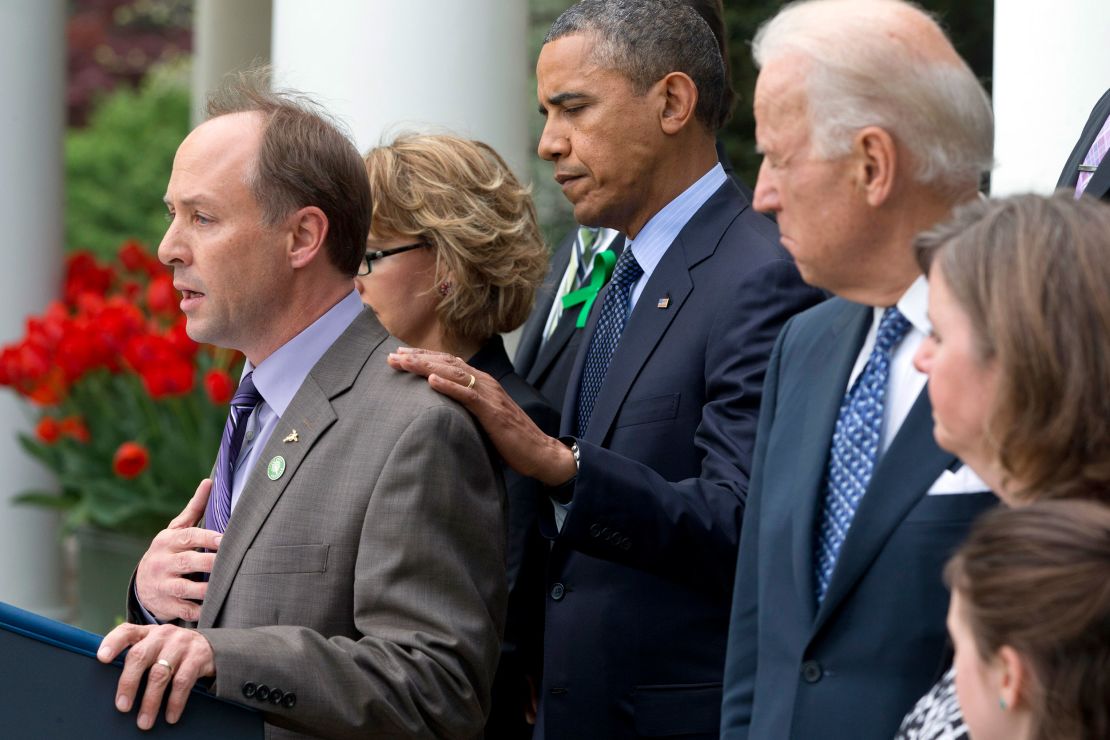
x=180 y=687
x=428 y=353
x=408 y=363
x=446 y=367
x=118 y=640
x=192 y=561
x=158 y=679
x=142 y=654
x=192 y=538
x=468 y=397
x=425 y=363
x=194 y=510
x=192 y=659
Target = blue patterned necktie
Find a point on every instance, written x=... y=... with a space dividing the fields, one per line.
x=855 y=446
x=607 y=334
x=218 y=512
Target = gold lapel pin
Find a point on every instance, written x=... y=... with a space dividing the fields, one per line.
x=663 y=302
x=292 y=437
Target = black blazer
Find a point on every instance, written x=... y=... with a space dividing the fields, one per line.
x=640 y=576
x=1099 y=186
x=547 y=366
x=852 y=668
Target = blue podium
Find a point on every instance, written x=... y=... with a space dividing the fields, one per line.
x=52 y=686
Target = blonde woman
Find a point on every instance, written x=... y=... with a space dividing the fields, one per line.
x=453 y=260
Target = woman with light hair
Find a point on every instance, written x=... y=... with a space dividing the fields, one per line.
x=1030 y=620
x=1018 y=363
x=453 y=261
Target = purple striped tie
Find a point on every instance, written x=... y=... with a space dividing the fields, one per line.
x=1094 y=157
x=218 y=512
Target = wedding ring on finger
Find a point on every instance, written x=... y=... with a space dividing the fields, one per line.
x=165 y=664
x=473 y=380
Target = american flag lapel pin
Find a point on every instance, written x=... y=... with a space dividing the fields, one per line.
x=663 y=302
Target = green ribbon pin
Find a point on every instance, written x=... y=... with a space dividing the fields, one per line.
x=604 y=262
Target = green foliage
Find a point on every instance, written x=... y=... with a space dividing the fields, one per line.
x=180 y=432
x=117 y=167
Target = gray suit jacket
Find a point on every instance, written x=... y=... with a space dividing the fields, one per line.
x=368 y=580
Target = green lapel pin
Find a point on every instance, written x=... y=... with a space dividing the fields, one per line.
x=276 y=467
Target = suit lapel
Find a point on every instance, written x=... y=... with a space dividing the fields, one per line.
x=901 y=477
x=642 y=333
x=837 y=352
x=647 y=324
x=1099 y=184
x=1095 y=121
x=311 y=414
x=531 y=336
x=564 y=330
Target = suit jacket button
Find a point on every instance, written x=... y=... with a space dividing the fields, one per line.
x=249 y=689
x=263 y=692
x=811 y=671
x=276 y=695
x=289 y=700
x=595 y=530
x=558 y=591
x=626 y=544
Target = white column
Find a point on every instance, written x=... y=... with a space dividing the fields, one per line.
x=32 y=59
x=1051 y=64
x=227 y=36
x=388 y=66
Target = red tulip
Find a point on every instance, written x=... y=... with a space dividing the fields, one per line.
x=130 y=460
x=85 y=275
x=135 y=258
x=74 y=427
x=132 y=255
x=219 y=386
x=179 y=338
x=48 y=430
x=173 y=377
x=161 y=297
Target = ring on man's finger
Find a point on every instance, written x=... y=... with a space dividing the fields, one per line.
x=165 y=664
x=473 y=380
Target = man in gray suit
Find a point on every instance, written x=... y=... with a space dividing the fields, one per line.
x=361 y=587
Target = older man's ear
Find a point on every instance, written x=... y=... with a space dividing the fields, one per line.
x=876 y=154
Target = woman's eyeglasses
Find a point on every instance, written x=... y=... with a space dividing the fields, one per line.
x=377 y=254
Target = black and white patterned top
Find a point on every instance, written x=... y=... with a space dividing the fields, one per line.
x=936 y=716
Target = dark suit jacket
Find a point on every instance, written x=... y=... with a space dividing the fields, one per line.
x=522 y=648
x=853 y=667
x=1099 y=186
x=368 y=579
x=640 y=577
x=547 y=365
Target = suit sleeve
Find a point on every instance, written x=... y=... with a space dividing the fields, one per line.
x=743 y=629
x=428 y=600
x=626 y=512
